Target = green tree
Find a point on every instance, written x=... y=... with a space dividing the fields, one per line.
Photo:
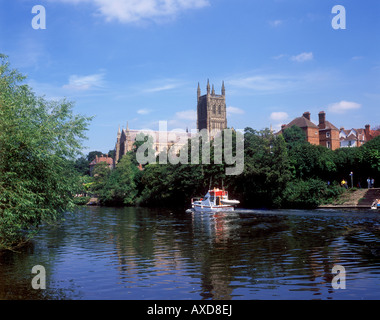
x=267 y=169
x=308 y=193
x=119 y=187
x=294 y=136
x=369 y=159
x=101 y=174
x=92 y=155
x=82 y=166
x=39 y=139
x=311 y=161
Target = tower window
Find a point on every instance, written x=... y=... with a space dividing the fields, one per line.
x=214 y=109
x=219 y=109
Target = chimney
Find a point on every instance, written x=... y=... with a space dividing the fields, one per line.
x=322 y=119
x=307 y=115
x=367 y=132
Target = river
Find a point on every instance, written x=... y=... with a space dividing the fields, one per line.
x=139 y=253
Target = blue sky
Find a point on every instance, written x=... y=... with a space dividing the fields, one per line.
x=141 y=60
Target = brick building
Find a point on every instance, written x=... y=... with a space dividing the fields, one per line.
x=97 y=160
x=328 y=133
x=311 y=130
x=325 y=133
x=357 y=137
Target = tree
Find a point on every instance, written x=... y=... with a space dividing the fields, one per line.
x=82 y=166
x=112 y=153
x=369 y=158
x=312 y=161
x=39 y=139
x=267 y=169
x=118 y=187
x=294 y=136
x=92 y=155
x=309 y=193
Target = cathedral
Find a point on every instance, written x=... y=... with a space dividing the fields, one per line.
x=211 y=115
x=211 y=110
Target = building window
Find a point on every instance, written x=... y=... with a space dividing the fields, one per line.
x=328 y=135
x=219 y=109
x=328 y=144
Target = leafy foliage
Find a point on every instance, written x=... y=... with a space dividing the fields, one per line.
x=279 y=171
x=38 y=138
x=116 y=187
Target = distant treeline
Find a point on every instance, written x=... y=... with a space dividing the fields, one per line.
x=280 y=171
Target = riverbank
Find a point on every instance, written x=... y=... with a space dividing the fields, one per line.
x=355 y=199
x=350 y=199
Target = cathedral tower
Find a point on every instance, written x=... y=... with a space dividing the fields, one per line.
x=211 y=109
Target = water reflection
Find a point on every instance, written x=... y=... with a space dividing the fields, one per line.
x=138 y=253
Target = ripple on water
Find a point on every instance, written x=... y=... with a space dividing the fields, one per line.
x=137 y=253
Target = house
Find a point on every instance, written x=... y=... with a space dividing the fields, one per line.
x=328 y=133
x=324 y=134
x=351 y=138
x=357 y=137
x=311 y=130
x=371 y=134
x=97 y=160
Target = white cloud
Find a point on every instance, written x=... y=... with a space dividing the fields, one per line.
x=161 y=88
x=302 y=57
x=187 y=115
x=234 y=110
x=343 y=106
x=82 y=83
x=279 y=116
x=280 y=56
x=144 y=111
x=160 y=85
x=276 y=23
x=266 y=82
x=131 y=11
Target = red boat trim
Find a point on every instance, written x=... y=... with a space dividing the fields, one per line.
x=198 y=205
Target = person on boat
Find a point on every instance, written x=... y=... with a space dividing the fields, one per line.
x=376 y=204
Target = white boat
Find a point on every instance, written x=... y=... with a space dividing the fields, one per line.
x=215 y=200
x=376 y=204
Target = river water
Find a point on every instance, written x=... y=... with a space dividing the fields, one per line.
x=162 y=254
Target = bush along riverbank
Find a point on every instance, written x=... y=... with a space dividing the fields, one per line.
x=39 y=140
x=280 y=171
